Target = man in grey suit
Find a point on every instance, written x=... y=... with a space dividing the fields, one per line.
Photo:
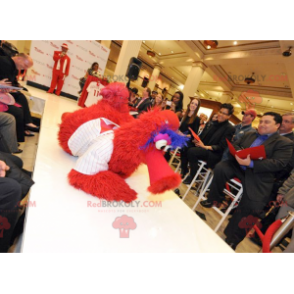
x=257 y=176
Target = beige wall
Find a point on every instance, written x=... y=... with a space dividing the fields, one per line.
x=23 y=46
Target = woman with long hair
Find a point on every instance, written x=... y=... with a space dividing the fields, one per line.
x=190 y=120
x=158 y=101
x=93 y=71
x=177 y=103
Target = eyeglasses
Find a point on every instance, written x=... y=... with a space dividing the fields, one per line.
x=223 y=113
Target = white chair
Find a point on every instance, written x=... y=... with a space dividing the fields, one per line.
x=175 y=157
x=201 y=178
x=235 y=195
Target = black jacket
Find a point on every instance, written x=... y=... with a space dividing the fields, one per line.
x=145 y=105
x=194 y=126
x=215 y=135
x=17 y=174
x=8 y=70
x=259 y=179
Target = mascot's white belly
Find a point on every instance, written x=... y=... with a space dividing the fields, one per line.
x=92 y=142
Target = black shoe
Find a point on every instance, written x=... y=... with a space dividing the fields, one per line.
x=206 y=203
x=33 y=129
x=18 y=151
x=188 y=181
x=201 y=215
x=177 y=191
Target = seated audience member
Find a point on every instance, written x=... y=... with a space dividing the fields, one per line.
x=14 y=185
x=8 y=134
x=166 y=104
x=144 y=103
x=212 y=144
x=284 y=203
x=153 y=96
x=177 y=103
x=133 y=99
x=286 y=130
x=2 y=52
x=92 y=71
x=213 y=118
x=9 y=68
x=286 y=199
x=158 y=101
x=203 y=120
x=242 y=128
x=190 y=120
x=256 y=176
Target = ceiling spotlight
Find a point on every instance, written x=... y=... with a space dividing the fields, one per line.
x=250 y=80
x=172 y=52
x=151 y=52
x=288 y=52
x=212 y=43
x=208 y=47
x=235 y=43
x=159 y=53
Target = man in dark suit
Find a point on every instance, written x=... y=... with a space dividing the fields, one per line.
x=285 y=130
x=212 y=144
x=257 y=176
x=15 y=183
x=145 y=102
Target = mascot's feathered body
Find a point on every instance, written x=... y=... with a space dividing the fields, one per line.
x=111 y=145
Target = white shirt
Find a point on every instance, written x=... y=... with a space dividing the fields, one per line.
x=94 y=96
x=93 y=143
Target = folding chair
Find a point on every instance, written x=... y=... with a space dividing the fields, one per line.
x=201 y=177
x=235 y=193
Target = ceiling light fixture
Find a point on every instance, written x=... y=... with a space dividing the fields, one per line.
x=250 y=80
x=151 y=52
x=208 y=47
x=235 y=43
x=212 y=43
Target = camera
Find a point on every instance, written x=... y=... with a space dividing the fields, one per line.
x=288 y=52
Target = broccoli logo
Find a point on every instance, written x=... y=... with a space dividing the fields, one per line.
x=248 y=222
x=250 y=98
x=124 y=224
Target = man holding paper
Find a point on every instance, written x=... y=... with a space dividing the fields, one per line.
x=257 y=176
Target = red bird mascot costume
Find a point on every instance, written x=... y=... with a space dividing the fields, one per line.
x=111 y=145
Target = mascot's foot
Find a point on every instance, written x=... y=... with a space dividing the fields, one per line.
x=106 y=185
x=164 y=184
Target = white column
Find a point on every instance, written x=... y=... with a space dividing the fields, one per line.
x=106 y=43
x=154 y=77
x=128 y=50
x=193 y=81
